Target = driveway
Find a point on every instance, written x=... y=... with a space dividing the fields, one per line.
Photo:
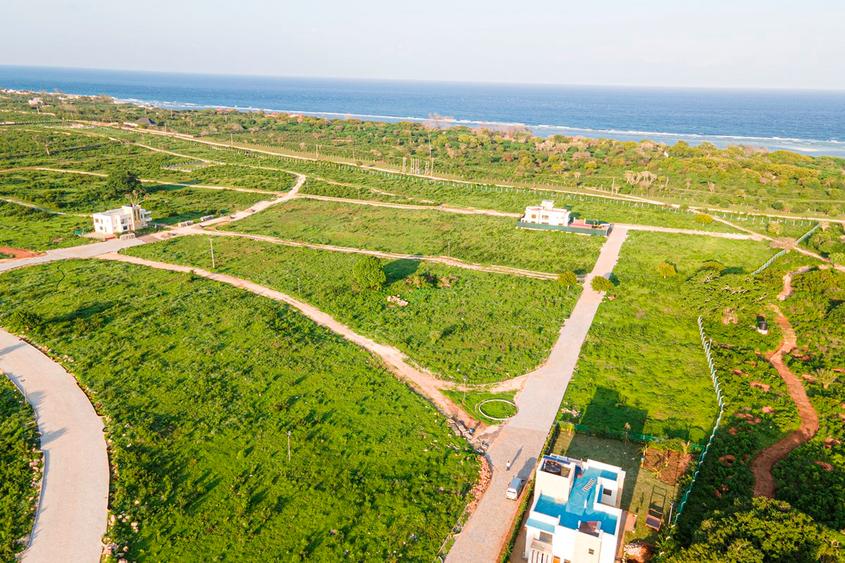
x=71 y=517
x=521 y=438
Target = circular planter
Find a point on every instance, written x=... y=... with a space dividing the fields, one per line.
x=480 y=408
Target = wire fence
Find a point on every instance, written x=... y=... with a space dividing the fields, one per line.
x=771 y=260
x=706 y=343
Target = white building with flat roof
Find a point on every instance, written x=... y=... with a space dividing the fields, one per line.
x=575 y=513
x=126 y=219
x=546 y=214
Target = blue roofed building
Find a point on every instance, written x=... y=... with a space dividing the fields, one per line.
x=575 y=513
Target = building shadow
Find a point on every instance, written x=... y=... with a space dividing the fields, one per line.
x=610 y=431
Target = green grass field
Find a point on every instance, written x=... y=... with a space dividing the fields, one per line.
x=23 y=227
x=643 y=363
x=19 y=459
x=73 y=193
x=481 y=239
x=200 y=385
x=486 y=327
x=471 y=400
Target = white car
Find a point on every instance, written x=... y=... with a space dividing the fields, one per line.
x=515 y=488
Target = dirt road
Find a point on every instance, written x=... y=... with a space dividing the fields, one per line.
x=424 y=383
x=763 y=462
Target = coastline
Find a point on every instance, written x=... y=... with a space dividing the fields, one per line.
x=692 y=120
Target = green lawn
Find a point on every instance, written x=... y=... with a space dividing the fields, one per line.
x=23 y=227
x=201 y=383
x=19 y=459
x=643 y=363
x=481 y=239
x=486 y=327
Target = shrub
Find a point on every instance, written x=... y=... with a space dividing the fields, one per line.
x=703 y=218
x=568 y=279
x=601 y=284
x=666 y=269
x=367 y=273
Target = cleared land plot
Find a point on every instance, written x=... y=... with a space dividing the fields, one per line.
x=200 y=384
x=24 y=227
x=83 y=194
x=360 y=183
x=642 y=363
x=396 y=189
x=485 y=240
x=19 y=457
x=487 y=327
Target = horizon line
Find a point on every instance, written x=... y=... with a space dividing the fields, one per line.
x=431 y=81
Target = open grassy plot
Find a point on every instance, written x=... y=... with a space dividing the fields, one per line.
x=83 y=194
x=19 y=459
x=642 y=363
x=482 y=239
x=24 y=227
x=201 y=384
x=457 y=323
x=398 y=189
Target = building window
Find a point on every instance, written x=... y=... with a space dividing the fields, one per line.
x=591 y=551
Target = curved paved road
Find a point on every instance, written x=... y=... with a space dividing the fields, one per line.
x=71 y=517
x=522 y=437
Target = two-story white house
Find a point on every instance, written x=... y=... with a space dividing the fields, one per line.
x=546 y=214
x=126 y=219
x=575 y=513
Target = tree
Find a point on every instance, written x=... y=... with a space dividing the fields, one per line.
x=568 y=279
x=601 y=284
x=762 y=530
x=119 y=183
x=666 y=269
x=367 y=273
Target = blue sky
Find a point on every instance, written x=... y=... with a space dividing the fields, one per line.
x=718 y=43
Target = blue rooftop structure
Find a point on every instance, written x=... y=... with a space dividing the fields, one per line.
x=582 y=499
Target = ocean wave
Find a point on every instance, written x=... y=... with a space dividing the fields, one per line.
x=788 y=143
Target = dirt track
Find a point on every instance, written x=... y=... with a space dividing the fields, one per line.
x=761 y=465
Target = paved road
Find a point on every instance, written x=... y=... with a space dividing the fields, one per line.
x=84 y=251
x=71 y=516
x=521 y=439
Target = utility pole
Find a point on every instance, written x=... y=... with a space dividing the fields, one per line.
x=213 y=263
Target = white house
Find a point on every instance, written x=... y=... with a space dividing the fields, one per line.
x=126 y=219
x=575 y=513
x=546 y=214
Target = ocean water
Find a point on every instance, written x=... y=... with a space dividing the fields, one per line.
x=811 y=122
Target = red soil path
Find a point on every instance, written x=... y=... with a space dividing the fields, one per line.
x=761 y=465
x=17 y=252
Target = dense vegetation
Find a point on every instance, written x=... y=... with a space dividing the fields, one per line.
x=19 y=460
x=739 y=177
x=474 y=238
x=817 y=313
x=760 y=530
x=456 y=322
x=201 y=384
